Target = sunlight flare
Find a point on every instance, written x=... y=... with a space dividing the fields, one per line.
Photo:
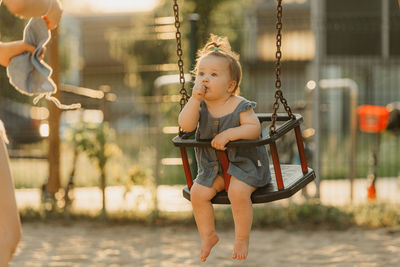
x=106 y=6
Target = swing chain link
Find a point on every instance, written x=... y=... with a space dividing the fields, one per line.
x=278 y=83
x=179 y=52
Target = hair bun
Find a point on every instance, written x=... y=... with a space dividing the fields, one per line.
x=218 y=44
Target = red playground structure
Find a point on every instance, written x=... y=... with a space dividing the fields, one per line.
x=373 y=119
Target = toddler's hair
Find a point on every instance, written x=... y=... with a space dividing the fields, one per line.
x=219 y=46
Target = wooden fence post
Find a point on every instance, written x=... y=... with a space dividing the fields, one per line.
x=53 y=183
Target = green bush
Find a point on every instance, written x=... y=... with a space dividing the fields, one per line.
x=375 y=215
x=306 y=215
x=309 y=215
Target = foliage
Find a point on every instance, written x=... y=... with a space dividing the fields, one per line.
x=11 y=29
x=305 y=215
x=145 y=44
x=96 y=140
x=205 y=10
x=223 y=18
x=387 y=157
x=310 y=215
x=376 y=215
x=139 y=176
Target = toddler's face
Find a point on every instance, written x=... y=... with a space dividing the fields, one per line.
x=213 y=73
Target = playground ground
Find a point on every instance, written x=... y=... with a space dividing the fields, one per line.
x=86 y=244
x=96 y=244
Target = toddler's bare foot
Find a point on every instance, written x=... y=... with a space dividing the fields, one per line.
x=206 y=246
x=240 y=249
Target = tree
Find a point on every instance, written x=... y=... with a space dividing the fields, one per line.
x=97 y=142
x=11 y=29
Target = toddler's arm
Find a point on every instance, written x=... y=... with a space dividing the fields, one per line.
x=250 y=128
x=189 y=116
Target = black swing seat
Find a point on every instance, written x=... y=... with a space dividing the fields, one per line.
x=293 y=176
x=293 y=179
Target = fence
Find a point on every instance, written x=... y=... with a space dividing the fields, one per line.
x=328 y=38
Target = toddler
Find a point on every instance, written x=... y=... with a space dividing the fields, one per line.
x=221 y=115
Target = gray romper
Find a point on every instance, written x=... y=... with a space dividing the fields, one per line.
x=248 y=164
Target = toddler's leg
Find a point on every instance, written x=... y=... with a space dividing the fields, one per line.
x=239 y=195
x=204 y=214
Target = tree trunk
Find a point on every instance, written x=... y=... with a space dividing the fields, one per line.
x=103 y=192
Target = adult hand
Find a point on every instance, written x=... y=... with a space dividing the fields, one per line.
x=12 y=49
x=53 y=17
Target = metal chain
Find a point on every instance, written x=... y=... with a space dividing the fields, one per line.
x=278 y=56
x=179 y=52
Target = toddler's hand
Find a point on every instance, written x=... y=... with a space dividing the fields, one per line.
x=220 y=140
x=198 y=90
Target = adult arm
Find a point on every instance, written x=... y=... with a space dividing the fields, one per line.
x=12 y=49
x=50 y=9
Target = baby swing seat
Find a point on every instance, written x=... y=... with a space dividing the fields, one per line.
x=286 y=179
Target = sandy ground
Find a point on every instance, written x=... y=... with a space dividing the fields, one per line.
x=85 y=244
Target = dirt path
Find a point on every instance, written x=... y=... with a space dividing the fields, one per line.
x=85 y=244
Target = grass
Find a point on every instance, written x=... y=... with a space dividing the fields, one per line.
x=309 y=215
x=335 y=152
